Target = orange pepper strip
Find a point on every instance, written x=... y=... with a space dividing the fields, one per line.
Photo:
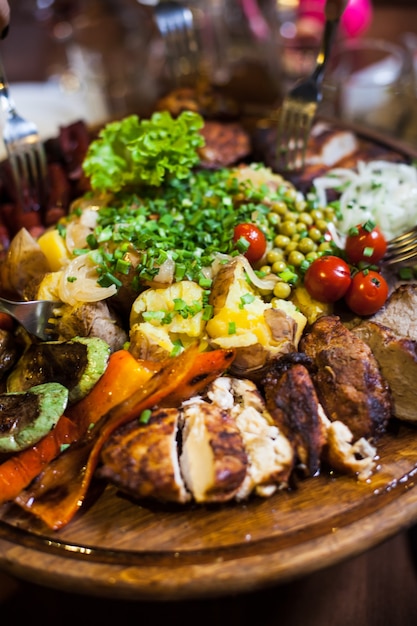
x=60 y=490
x=123 y=375
x=18 y=471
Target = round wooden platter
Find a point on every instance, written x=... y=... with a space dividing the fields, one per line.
x=117 y=548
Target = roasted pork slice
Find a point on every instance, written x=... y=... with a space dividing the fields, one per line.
x=397 y=359
x=399 y=311
x=142 y=459
x=348 y=380
x=292 y=401
x=270 y=454
x=213 y=460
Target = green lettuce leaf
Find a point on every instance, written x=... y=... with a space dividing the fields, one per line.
x=133 y=152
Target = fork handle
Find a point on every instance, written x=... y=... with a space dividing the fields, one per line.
x=334 y=10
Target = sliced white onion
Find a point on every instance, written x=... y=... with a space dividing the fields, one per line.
x=78 y=282
x=381 y=191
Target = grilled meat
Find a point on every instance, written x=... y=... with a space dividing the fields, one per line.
x=293 y=404
x=397 y=359
x=398 y=313
x=225 y=144
x=270 y=455
x=142 y=459
x=213 y=459
x=345 y=455
x=348 y=381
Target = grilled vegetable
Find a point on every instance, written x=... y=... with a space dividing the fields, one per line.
x=77 y=364
x=27 y=416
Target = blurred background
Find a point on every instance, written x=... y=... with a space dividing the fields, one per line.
x=102 y=59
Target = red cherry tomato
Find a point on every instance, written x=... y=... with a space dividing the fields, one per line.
x=367 y=293
x=327 y=279
x=365 y=243
x=256 y=239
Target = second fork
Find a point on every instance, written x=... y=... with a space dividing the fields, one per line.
x=25 y=151
x=299 y=107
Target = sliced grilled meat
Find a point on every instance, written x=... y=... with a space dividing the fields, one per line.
x=399 y=312
x=142 y=459
x=292 y=401
x=349 y=383
x=213 y=459
x=270 y=454
x=397 y=359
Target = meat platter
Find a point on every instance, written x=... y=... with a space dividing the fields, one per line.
x=150 y=550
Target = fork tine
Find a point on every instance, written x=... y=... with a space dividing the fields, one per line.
x=294 y=128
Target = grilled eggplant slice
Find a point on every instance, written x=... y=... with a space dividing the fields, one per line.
x=77 y=364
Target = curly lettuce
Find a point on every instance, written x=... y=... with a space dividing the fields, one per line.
x=133 y=152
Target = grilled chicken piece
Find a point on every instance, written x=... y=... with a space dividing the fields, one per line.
x=345 y=455
x=270 y=454
x=348 y=381
x=213 y=459
x=397 y=359
x=294 y=406
x=142 y=459
x=398 y=313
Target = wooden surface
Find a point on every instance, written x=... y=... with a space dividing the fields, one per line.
x=377 y=588
x=153 y=552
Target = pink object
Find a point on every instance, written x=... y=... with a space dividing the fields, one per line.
x=355 y=19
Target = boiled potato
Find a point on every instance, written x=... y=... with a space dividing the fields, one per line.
x=163 y=320
x=259 y=331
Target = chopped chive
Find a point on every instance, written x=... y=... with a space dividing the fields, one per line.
x=231 y=328
x=145 y=416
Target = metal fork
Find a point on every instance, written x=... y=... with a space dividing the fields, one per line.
x=36 y=316
x=175 y=22
x=299 y=107
x=24 y=149
x=402 y=249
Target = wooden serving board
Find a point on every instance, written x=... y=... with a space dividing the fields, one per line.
x=121 y=549
x=118 y=548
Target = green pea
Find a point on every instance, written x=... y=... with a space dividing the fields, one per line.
x=278 y=267
x=306 y=245
x=288 y=228
x=322 y=225
x=282 y=241
x=317 y=214
x=279 y=207
x=306 y=218
x=274 y=255
x=296 y=258
x=282 y=291
x=315 y=234
x=274 y=219
x=311 y=256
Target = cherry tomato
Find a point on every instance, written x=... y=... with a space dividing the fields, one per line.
x=365 y=243
x=367 y=293
x=6 y=321
x=256 y=239
x=327 y=279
